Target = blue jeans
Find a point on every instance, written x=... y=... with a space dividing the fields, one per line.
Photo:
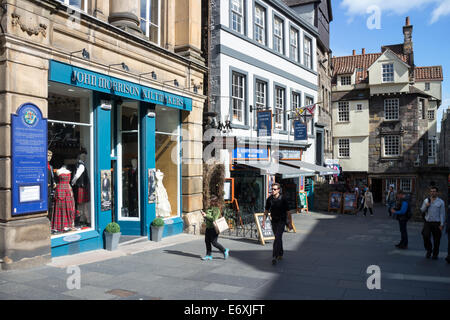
x=390 y=205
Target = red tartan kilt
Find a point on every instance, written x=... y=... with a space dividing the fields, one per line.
x=83 y=195
x=64 y=208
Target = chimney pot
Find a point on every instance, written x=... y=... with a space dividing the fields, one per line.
x=407 y=21
x=354 y=52
x=363 y=50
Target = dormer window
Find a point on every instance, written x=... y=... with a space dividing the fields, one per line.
x=346 y=80
x=388 y=72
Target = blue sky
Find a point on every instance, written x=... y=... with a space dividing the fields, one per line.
x=370 y=24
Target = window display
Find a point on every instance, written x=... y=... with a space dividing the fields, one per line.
x=69 y=141
x=167 y=162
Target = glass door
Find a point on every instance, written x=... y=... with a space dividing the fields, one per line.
x=127 y=168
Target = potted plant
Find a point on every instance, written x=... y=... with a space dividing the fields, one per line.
x=157 y=229
x=112 y=236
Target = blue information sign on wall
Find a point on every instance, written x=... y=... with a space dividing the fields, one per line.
x=300 y=132
x=264 y=122
x=29 y=160
x=250 y=154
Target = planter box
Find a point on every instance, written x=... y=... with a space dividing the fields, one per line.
x=156 y=233
x=112 y=240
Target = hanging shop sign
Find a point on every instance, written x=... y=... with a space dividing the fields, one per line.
x=29 y=160
x=300 y=130
x=74 y=76
x=264 y=122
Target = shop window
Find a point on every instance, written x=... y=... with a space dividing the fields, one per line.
x=167 y=157
x=70 y=187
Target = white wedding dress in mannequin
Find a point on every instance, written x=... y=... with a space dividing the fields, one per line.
x=163 y=208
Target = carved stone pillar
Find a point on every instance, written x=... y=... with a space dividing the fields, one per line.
x=124 y=14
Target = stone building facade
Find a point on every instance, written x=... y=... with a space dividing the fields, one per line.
x=382 y=119
x=106 y=61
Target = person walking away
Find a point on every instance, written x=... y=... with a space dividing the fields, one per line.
x=402 y=213
x=278 y=206
x=211 y=236
x=390 y=199
x=434 y=209
x=368 y=201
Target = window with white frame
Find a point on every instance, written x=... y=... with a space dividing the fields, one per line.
x=260 y=24
x=237 y=15
x=150 y=19
x=309 y=102
x=391 y=181
x=391 y=109
x=260 y=95
x=346 y=80
x=293 y=44
x=343 y=111
x=237 y=97
x=344 y=148
x=279 y=108
x=422 y=109
x=431 y=114
x=391 y=146
x=80 y=4
x=307 y=52
x=427 y=86
x=406 y=185
x=388 y=72
x=359 y=107
x=278 y=35
x=296 y=102
x=431 y=148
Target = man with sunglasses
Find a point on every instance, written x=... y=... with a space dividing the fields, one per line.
x=278 y=206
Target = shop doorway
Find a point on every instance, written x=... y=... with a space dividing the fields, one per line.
x=377 y=190
x=127 y=178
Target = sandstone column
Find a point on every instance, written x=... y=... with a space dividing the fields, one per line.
x=124 y=14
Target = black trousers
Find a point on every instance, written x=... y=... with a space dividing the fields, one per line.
x=403 y=232
x=432 y=229
x=278 y=229
x=211 y=237
x=370 y=209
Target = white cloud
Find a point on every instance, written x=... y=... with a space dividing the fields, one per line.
x=442 y=10
x=359 y=7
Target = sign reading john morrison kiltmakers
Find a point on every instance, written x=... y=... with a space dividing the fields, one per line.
x=70 y=75
x=29 y=160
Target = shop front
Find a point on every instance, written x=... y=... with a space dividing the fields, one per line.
x=114 y=155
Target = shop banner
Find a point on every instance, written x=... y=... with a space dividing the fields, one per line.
x=29 y=160
x=250 y=154
x=74 y=76
x=300 y=130
x=264 y=122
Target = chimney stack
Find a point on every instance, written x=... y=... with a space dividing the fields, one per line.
x=363 y=51
x=354 y=52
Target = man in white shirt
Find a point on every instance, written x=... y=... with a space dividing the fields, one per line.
x=434 y=209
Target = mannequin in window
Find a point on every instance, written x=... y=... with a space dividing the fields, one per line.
x=64 y=209
x=51 y=184
x=80 y=184
x=163 y=208
x=133 y=188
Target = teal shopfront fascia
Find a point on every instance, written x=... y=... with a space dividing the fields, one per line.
x=106 y=93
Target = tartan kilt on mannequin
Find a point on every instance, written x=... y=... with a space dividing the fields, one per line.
x=83 y=195
x=64 y=205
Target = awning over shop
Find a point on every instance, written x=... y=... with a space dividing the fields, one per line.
x=323 y=171
x=272 y=168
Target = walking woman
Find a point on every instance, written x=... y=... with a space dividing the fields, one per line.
x=212 y=214
x=368 y=201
